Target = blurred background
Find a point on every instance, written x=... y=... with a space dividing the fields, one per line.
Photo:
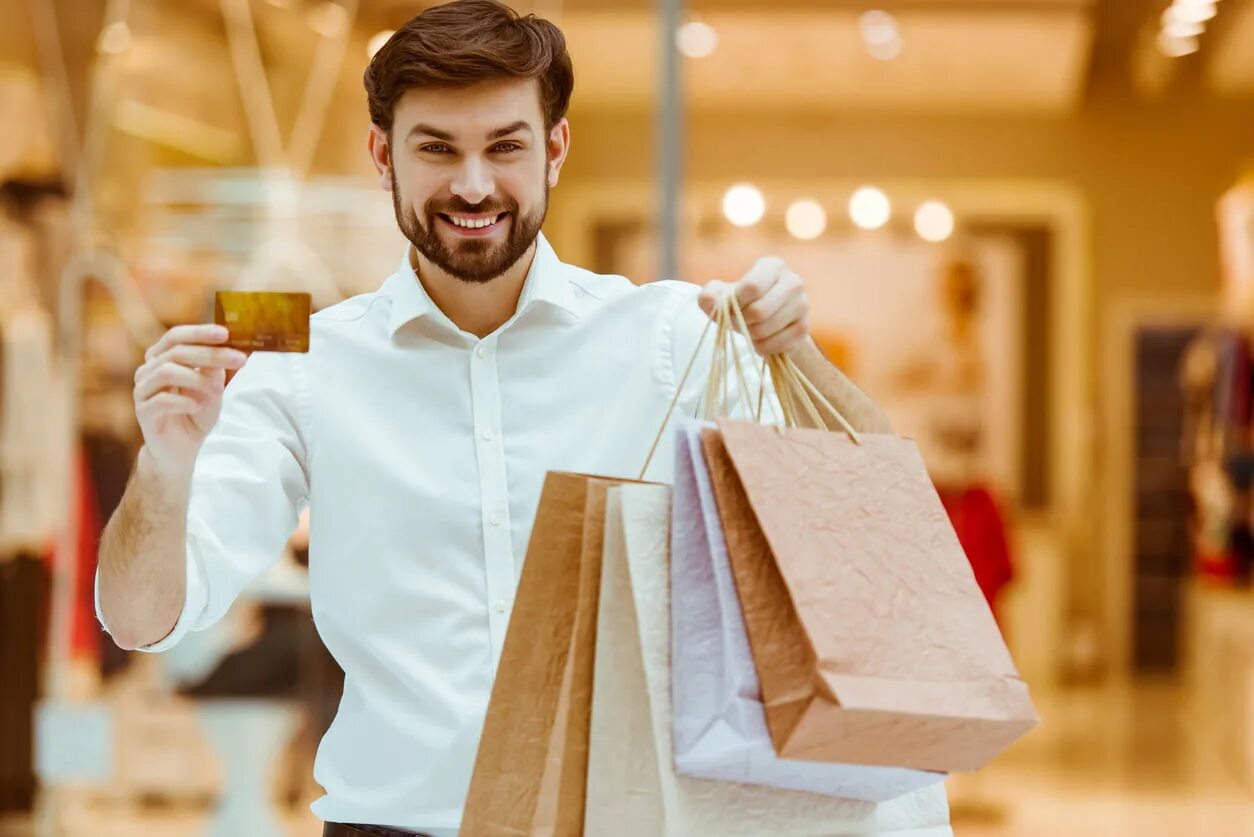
x=1027 y=228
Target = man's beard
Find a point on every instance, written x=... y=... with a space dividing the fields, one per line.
x=472 y=259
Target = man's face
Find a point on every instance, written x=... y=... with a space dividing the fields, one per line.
x=470 y=170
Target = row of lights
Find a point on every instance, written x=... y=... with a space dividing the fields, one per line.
x=1182 y=23
x=806 y=219
x=880 y=33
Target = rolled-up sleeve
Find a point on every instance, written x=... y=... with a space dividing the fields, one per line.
x=249 y=484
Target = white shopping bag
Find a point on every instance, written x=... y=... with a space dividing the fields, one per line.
x=632 y=785
x=720 y=726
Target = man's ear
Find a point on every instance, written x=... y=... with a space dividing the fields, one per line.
x=381 y=155
x=558 y=148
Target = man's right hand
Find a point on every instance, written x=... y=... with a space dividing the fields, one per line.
x=178 y=393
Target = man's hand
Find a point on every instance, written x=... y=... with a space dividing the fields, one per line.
x=178 y=393
x=775 y=305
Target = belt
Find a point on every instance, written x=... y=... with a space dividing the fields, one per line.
x=340 y=829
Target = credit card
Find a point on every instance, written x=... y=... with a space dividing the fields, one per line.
x=264 y=321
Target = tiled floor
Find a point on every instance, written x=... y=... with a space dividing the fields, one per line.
x=1111 y=763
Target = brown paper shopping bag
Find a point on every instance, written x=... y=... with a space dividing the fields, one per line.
x=530 y=773
x=871 y=639
x=633 y=787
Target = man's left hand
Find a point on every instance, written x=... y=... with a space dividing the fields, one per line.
x=775 y=305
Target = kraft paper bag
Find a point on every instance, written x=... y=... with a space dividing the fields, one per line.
x=530 y=772
x=872 y=642
x=633 y=789
x=719 y=723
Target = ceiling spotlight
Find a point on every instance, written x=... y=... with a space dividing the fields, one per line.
x=377 y=40
x=881 y=34
x=934 y=221
x=1194 y=12
x=743 y=205
x=869 y=208
x=696 y=39
x=1173 y=47
x=1175 y=28
x=805 y=219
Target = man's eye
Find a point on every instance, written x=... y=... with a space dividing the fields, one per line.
x=434 y=148
x=507 y=148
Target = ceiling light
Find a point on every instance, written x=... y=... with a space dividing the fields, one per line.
x=869 y=208
x=1176 y=47
x=805 y=220
x=1174 y=28
x=696 y=39
x=881 y=34
x=934 y=221
x=377 y=40
x=1198 y=12
x=744 y=205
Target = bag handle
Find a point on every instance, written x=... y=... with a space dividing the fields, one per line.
x=795 y=392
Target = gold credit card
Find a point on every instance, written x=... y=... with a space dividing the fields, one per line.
x=264 y=321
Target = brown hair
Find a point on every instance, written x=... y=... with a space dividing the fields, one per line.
x=465 y=42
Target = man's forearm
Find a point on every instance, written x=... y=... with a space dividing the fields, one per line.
x=143 y=568
x=857 y=408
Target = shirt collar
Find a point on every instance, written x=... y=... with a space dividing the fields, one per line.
x=546 y=282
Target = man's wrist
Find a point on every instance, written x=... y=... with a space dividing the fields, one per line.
x=169 y=478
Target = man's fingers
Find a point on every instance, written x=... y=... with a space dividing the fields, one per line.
x=760 y=279
x=202 y=357
x=203 y=334
x=784 y=341
x=794 y=309
x=167 y=404
x=172 y=375
x=713 y=291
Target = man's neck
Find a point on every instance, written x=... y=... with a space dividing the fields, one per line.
x=479 y=308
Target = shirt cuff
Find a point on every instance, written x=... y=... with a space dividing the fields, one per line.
x=194 y=602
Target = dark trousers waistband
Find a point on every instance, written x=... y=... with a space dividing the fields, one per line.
x=340 y=829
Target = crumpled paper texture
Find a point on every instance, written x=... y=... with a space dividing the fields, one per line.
x=530 y=772
x=720 y=727
x=633 y=789
x=872 y=641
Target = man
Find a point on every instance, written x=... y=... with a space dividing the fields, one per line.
x=420 y=425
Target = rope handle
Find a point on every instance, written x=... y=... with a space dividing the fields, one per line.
x=797 y=394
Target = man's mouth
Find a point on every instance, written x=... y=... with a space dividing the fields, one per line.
x=474 y=225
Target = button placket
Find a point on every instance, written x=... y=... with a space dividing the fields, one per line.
x=494 y=493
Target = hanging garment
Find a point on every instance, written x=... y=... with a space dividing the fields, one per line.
x=976 y=518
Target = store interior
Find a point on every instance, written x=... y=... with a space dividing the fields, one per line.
x=1026 y=228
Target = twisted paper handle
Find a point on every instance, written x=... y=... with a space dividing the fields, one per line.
x=795 y=392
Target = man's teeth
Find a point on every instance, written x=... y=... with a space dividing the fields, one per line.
x=474 y=225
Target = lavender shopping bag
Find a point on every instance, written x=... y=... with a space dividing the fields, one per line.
x=720 y=729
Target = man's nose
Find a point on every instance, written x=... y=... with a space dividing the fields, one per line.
x=474 y=181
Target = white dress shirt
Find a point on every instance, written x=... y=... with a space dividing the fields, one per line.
x=421 y=450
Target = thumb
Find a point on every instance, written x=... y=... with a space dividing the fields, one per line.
x=710 y=294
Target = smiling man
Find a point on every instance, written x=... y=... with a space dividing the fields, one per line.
x=420 y=424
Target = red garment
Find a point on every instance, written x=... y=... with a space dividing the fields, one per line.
x=982 y=533
x=85 y=632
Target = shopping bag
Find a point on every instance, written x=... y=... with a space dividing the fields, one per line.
x=530 y=772
x=720 y=727
x=633 y=788
x=872 y=642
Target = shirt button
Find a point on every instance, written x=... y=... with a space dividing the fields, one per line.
x=481 y=352
x=495 y=520
x=487 y=435
x=501 y=605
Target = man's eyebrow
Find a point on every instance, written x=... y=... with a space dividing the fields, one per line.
x=430 y=131
x=520 y=125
